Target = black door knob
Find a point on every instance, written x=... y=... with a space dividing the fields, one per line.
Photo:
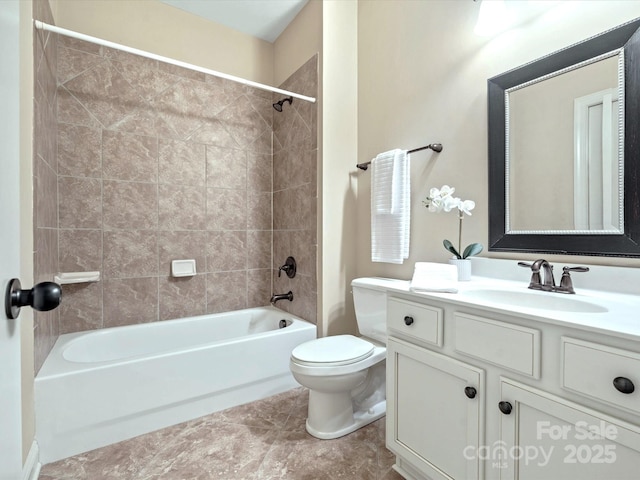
x=505 y=407
x=43 y=297
x=623 y=385
x=470 y=392
x=408 y=320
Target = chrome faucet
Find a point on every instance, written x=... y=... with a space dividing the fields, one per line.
x=281 y=296
x=549 y=284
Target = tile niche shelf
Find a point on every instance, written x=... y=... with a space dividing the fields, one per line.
x=64 y=278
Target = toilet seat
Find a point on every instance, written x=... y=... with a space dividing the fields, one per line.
x=332 y=351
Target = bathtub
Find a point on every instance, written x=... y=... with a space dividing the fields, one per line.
x=100 y=387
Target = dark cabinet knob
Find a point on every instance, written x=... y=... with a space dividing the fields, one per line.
x=623 y=385
x=505 y=407
x=408 y=320
x=43 y=297
x=470 y=392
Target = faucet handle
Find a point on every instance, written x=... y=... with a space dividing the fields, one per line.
x=289 y=267
x=575 y=269
x=566 y=284
x=535 y=281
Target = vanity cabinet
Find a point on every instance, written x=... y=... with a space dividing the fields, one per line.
x=476 y=393
x=547 y=437
x=442 y=413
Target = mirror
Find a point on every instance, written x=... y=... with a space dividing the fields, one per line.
x=574 y=113
x=564 y=150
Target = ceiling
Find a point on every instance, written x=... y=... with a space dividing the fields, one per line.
x=265 y=19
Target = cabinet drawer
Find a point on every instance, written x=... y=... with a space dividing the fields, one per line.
x=509 y=346
x=590 y=369
x=422 y=322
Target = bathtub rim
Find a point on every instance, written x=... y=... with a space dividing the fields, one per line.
x=55 y=365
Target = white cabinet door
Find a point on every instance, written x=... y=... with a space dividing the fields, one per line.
x=433 y=417
x=545 y=437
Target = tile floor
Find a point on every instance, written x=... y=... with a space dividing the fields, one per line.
x=262 y=440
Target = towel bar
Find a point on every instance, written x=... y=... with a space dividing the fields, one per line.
x=436 y=147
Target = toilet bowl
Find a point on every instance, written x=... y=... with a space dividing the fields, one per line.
x=345 y=374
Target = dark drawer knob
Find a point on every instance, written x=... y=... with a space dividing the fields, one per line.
x=408 y=320
x=623 y=385
x=470 y=392
x=505 y=407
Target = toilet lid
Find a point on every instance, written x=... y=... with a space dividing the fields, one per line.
x=332 y=351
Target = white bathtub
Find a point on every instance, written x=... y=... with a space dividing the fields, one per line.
x=100 y=387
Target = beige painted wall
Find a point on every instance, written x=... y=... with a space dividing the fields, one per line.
x=423 y=78
x=338 y=213
x=298 y=42
x=165 y=30
x=26 y=225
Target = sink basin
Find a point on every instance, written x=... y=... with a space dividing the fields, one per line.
x=537 y=300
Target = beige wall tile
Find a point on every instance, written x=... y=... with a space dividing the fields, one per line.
x=128 y=301
x=226 y=168
x=182 y=297
x=226 y=291
x=226 y=209
x=130 y=205
x=258 y=287
x=80 y=202
x=259 y=172
x=129 y=157
x=81 y=307
x=79 y=151
x=259 y=210
x=181 y=163
x=259 y=248
x=46 y=195
x=130 y=253
x=181 y=207
x=80 y=250
x=226 y=250
x=105 y=93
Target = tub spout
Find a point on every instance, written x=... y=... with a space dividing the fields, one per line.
x=281 y=296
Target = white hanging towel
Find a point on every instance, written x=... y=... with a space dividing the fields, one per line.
x=390 y=207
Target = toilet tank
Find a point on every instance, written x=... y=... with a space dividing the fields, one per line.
x=370 y=302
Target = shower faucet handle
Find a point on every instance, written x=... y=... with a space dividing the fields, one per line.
x=289 y=267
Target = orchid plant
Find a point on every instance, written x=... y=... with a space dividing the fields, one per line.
x=443 y=200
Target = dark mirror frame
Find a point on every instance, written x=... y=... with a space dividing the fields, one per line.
x=626 y=245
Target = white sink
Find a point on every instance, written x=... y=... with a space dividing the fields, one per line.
x=534 y=299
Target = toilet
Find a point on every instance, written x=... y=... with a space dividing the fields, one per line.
x=346 y=374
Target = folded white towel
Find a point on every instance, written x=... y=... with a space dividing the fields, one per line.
x=390 y=207
x=434 y=277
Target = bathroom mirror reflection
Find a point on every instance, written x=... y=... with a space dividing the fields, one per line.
x=568 y=123
x=564 y=166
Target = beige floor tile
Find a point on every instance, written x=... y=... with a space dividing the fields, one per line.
x=262 y=440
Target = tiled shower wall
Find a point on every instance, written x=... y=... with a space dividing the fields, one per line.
x=156 y=163
x=295 y=192
x=45 y=215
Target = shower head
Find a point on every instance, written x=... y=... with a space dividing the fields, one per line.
x=278 y=105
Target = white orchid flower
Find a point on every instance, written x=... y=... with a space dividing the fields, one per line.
x=435 y=205
x=442 y=199
x=466 y=206
x=447 y=191
x=449 y=203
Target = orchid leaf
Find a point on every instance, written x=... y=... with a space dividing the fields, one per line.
x=471 y=250
x=449 y=246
